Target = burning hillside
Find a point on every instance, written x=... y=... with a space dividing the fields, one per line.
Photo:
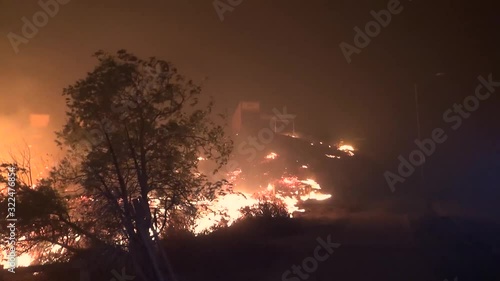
x=288 y=192
x=282 y=179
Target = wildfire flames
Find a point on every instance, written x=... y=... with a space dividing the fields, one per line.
x=346 y=148
x=289 y=190
x=271 y=155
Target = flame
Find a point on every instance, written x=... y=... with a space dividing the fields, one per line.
x=332 y=156
x=346 y=148
x=271 y=155
x=316 y=196
x=225 y=210
x=22 y=260
x=291 y=191
x=228 y=208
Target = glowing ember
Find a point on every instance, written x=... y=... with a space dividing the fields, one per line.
x=346 y=148
x=271 y=155
x=316 y=196
x=332 y=156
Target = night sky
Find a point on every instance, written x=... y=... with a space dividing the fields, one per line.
x=281 y=53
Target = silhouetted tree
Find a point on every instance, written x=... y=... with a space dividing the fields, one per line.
x=133 y=136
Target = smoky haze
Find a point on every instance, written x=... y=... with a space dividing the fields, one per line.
x=428 y=58
x=280 y=53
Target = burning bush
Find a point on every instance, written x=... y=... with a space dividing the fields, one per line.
x=274 y=208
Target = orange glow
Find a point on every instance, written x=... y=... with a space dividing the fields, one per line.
x=22 y=260
x=332 y=156
x=271 y=155
x=291 y=193
x=229 y=204
x=346 y=148
x=39 y=120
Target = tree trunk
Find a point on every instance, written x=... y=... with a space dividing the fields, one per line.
x=143 y=228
